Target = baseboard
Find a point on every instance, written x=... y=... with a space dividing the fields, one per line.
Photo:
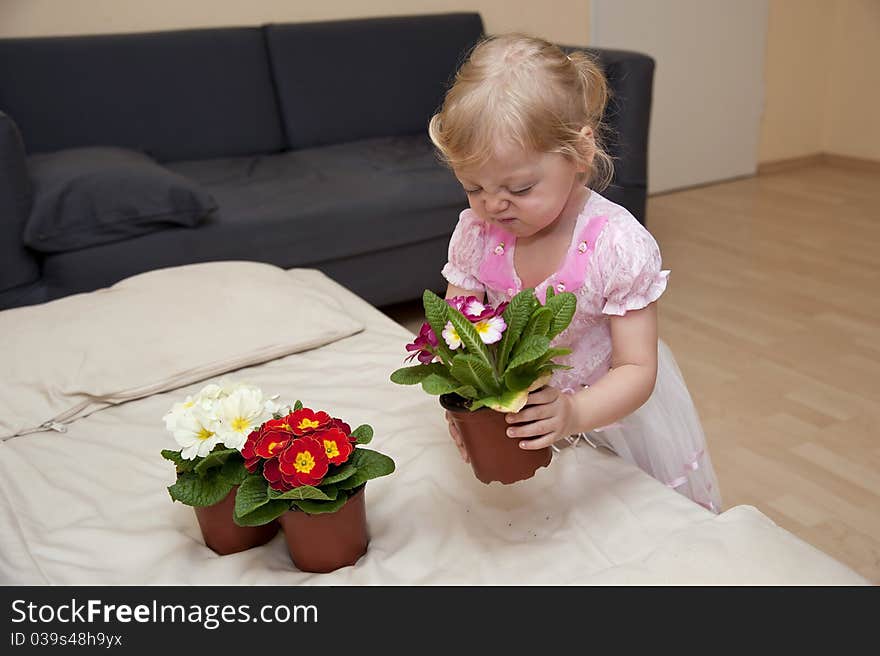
x=855 y=163
x=816 y=159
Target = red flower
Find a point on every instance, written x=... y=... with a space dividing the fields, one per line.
x=272 y=473
x=304 y=462
x=251 y=459
x=305 y=421
x=336 y=445
x=345 y=428
x=272 y=441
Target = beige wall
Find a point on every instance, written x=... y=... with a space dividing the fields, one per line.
x=563 y=21
x=796 y=78
x=852 y=106
x=822 y=79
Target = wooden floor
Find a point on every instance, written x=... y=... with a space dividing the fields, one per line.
x=773 y=312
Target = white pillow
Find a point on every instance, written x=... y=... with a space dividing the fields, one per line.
x=152 y=333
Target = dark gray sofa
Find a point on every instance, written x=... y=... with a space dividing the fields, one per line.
x=311 y=137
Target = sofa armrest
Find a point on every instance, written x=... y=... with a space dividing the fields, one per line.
x=18 y=266
x=630 y=78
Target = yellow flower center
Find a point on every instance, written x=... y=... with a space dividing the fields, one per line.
x=204 y=434
x=331 y=448
x=482 y=327
x=308 y=423
x=272 y=446
x=304 y=462
x=240 y=424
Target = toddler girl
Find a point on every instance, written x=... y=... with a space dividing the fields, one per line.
x=520 y=130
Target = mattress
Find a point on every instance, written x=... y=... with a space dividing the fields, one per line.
x=90 y=506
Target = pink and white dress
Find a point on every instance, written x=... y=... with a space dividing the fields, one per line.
x=612 y=266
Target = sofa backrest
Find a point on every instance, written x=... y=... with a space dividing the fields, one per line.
x=352 y=79
x=18 y=266
x=183 y=94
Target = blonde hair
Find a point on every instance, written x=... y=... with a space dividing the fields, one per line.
x=526 y=90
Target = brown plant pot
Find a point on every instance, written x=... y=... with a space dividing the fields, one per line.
x=493 y=455
x=223 y=535
x=327 y=541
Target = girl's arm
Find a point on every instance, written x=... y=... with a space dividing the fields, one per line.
x=552 y=415
x=452 y=290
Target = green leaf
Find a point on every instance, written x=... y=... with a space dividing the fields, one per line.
x=509 y=401
x=301 y=492
x=344 y=472
x=319 y=507
x=194 y=490
x=264 y=514
x=546 y=368
x=436 y=313
x=469 y=335
x=516 y=316
x=468 y=369
x=529 y=350
x=370 y=464
x=467 y=392
x=214 y=459
x=233 y=471
x=416 y=373
x=298 y=405
x=251 y=494
x=434 y=384
x=520 y=378
x=363 y=434
x=554 y=353
x=562 y=307
x=181 y=464
x=539 y=324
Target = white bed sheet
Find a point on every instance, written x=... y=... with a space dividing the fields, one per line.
x=91 y=507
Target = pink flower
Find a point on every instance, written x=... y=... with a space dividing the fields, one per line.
x=474 y=309
x=423 y=346
x=458 y=302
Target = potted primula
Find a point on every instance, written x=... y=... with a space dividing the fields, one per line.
x=308 y=470
x=483 y=365
x=211 y=428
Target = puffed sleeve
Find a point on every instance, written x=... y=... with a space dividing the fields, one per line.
x=629 y=262
x=466 y=248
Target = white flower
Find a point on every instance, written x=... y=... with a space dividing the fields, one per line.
x=490 y=329
x=193 y=433
x=224 y=412
x=451 y=336
x=240 y=413
x=210 y=391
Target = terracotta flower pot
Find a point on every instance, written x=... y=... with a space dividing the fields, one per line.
x=493 y=455
x=327 y=541
x=223 y=535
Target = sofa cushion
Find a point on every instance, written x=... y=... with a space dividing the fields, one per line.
x=182 y=94
x=89 y=196
x=17 y=266
x=353 y=79
x=301 y=208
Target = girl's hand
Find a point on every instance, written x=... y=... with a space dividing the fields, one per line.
x=547 y=417
x=456 y=436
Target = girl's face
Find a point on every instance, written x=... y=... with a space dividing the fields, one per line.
x=523 y=192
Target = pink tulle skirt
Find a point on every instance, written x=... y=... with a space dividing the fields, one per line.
x=664 y=437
